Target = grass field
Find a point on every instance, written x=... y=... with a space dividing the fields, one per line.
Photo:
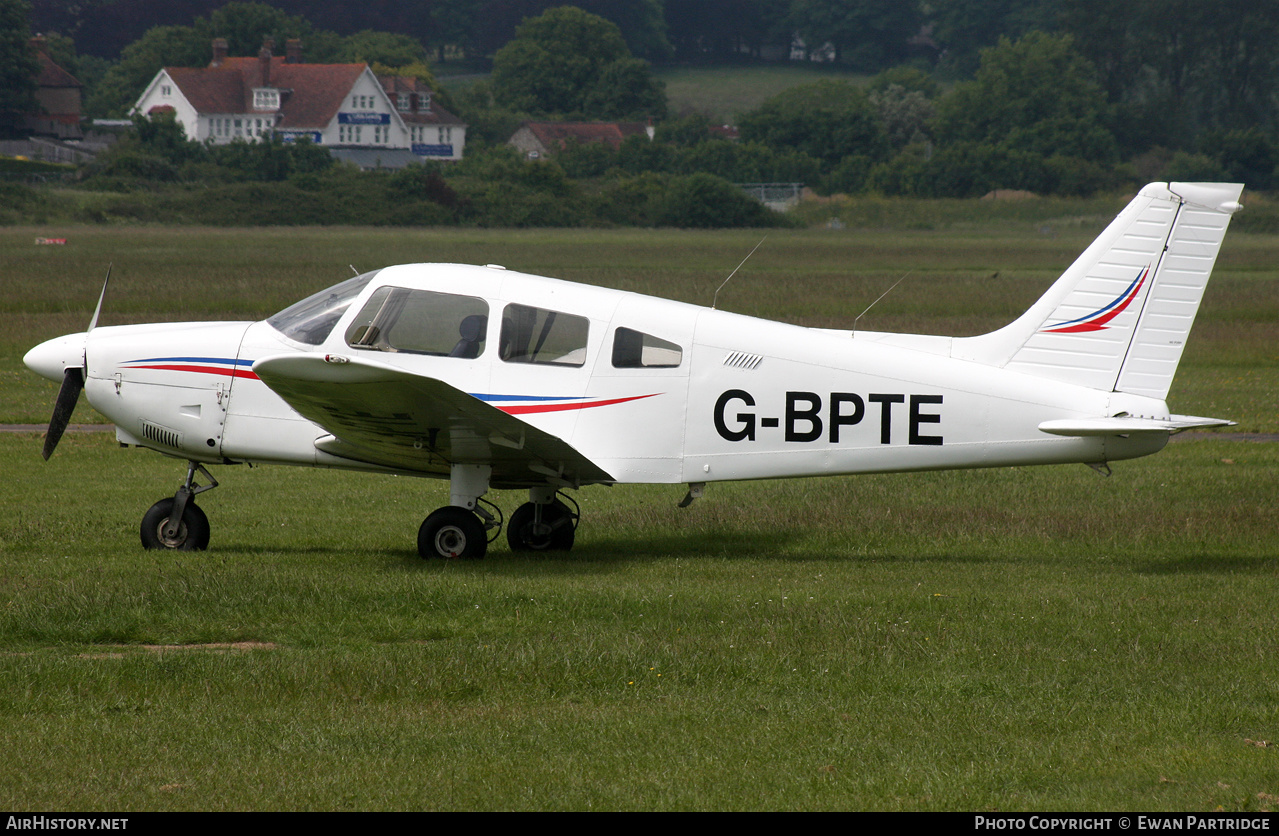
x=1011 y=639
x=724 y=93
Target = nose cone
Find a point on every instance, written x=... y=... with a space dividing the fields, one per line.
x=51 y=358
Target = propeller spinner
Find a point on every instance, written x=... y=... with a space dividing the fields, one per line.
x=66 y=359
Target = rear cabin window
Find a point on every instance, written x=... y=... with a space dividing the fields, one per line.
x=637 y=350
x=536 y=335
x=421 y=322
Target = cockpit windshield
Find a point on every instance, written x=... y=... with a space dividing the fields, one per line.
x=311 y=320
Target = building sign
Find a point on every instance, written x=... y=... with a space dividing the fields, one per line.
x=294 y=136
x=423 y=150
x=364 y=118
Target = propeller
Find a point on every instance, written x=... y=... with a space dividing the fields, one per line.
x=73 y=378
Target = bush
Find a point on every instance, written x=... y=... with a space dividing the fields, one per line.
x=708 y=202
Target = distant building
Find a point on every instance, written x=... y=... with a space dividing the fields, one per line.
x=540 y=140
x=58 y=94
x=375 y=122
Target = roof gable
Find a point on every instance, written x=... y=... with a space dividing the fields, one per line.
x=311 y=94
x=557 y=134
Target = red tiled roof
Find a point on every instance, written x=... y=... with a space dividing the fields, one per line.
x=51 y=75
x=310 y=94
x=556 y=134
x=436 y=115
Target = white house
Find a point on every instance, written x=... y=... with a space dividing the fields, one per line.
x=376 y=122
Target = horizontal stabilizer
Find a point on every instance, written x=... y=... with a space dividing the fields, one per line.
x=1128 y=425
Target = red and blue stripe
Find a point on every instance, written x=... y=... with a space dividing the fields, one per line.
x=1096 y=321
x=527 y=404
x=223 y=366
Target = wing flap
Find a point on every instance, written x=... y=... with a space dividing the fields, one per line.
x=385 y=415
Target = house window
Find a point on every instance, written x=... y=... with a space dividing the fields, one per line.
x=402 y=101
x=266 y=98
x=166 y=90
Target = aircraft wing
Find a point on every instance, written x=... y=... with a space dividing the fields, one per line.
x=387 y=416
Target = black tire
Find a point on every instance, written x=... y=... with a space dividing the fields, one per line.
x=555 y=533
x=452 y=533
x=193 y=531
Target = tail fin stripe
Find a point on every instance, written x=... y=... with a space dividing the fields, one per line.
x=1096 y=321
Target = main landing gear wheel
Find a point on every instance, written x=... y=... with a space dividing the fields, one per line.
x=452 y=533
x=553 y=532
x=192 y=533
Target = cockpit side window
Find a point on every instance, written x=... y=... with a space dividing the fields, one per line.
x=421 y=322
x=311 y=320
x=537 y=335
x=636 y=350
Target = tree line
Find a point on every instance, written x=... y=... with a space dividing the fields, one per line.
x=1071 y=99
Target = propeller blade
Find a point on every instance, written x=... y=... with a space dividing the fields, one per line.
x=72 y=384
x=103 y=295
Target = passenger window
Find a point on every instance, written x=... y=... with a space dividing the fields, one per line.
x=536 y=335
x=421 y=322
x=637 y=350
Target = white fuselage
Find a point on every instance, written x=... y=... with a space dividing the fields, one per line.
x=749 y=398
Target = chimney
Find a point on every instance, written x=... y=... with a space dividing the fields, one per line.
x=219 y=52
x=293 y=51
x=264 y=60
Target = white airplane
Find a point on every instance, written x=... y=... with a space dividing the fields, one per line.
x=492 y=378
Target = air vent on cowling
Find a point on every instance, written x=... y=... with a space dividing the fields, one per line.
x=161 y=435
x=742 y=360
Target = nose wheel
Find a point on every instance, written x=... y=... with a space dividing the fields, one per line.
x=177 y=523
x=191 y=533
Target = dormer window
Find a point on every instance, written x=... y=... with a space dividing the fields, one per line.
x=424 y=102
x=266 y=98
x=403 y=102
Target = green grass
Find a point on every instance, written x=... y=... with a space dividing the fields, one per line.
x=724 y=93
x=1009 y=639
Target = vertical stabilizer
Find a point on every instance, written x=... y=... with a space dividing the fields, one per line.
x=1118 y=318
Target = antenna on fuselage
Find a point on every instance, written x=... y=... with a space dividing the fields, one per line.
x=353 y=270
x=876 y=302
x=715 y=298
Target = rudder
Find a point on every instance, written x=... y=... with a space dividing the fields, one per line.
x=1118 y=318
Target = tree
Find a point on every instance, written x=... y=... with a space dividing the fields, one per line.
x=567 y=61
x=1037 y=94
x=370 y=47
x=962 y=28
x=161 y=46
x=869 y=34
x=245 y=25
x=723 y=29
x=18 y=66
x=828 y=120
